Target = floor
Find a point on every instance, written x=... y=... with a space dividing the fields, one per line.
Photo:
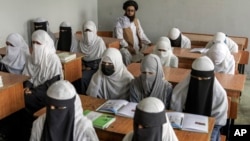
x=244 y=106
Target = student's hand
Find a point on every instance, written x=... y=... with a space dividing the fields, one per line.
x=131 y=50
x=27 y=91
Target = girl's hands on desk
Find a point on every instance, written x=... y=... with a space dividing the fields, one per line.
x=27 y=91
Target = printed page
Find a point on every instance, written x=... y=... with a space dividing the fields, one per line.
x=112 y=106
x=128 y=110
x=197 y=123
x=199 y=50
x=176 y=119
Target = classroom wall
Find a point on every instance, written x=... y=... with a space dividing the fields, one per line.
x=15 y=15
x=159 y=16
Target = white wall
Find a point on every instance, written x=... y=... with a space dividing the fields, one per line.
x=159 y=16
x=16 y=14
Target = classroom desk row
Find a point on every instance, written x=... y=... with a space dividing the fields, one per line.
x=117 y=130
x=186 y=57
x=72 y=70
x=233 y=84
x=200 y=40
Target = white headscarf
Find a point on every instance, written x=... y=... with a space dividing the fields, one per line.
x=164 y=38
x=83 y=128
x=219 y=102
x=92 y=45
x=154 y=105
x=222 y=58
x=43 y=64
x=174 y=33
x=115 y=86
x=74 y=43
x=16 y=56
x=167 y=58
x=42 y=20
x=219 y=37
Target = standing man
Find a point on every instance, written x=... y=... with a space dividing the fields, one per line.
x=132 y=38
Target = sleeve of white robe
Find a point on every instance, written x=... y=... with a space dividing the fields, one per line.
x=185 y=42
x=233 y=47
x=119 y=35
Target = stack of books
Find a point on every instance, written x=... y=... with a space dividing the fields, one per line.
x=66 y=56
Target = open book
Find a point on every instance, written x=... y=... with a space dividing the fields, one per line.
x=119 y=107
x=66 y=56
x=189 y=122
x=99 y=120
x=199 y=50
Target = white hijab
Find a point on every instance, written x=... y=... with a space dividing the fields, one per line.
x=115 y=86
x=91 y=45
x=166 y=56
x=43 y=64
x=83 y=128
x=42 y=20
x=222 y=58
x=16 y=56
x=155 y=105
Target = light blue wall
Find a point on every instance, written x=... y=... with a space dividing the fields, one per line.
x=201 y=16
x=16 y=14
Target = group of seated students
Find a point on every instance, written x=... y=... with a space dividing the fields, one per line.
x=105 y=75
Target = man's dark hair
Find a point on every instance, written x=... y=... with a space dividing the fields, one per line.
x=130 y=3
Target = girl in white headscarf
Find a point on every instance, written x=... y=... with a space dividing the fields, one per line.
x=92 y=46
x=221 y=37
x=164 y=50
x=64 y=119
x=43 y=24
x=177 y=39
x=151 y=82
x=222 y=58
x=201 y=93
x=112 y=79
x=16 y=54
x=151 y=122
x=43 y=67
x=66 y=41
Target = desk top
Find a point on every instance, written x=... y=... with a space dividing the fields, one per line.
x=10 y=79
x=124 y=125
x=175 y=75
x=241 y=41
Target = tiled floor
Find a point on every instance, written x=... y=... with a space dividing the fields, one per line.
x=244 y=106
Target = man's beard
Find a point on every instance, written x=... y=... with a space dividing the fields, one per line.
x=131 y=18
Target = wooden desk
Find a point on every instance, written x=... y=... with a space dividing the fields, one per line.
x=186 y=57
x=202 y=39
x=233 y=84
x=11 y=94
x=117 y=130
x=72 y=70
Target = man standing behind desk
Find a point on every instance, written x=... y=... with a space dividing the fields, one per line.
x=128 y=29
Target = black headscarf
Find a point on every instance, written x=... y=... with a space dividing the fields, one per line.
x=152 y=125
x=65 y=39
x=200 y=93
x=40 y=25
x=130 y=3
x=59 y=122
x=176 y=42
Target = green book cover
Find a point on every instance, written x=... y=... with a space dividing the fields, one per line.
x=100 y=120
